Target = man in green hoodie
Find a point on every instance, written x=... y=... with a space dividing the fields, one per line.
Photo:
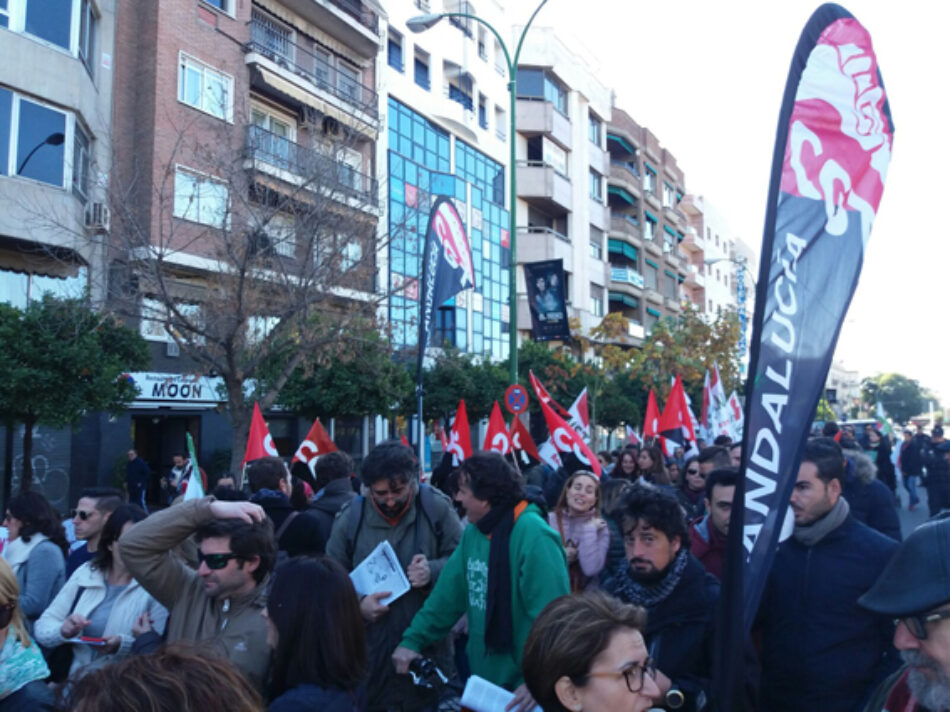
x=509 y=565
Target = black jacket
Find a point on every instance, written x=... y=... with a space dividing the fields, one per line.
x=324 y=508
x=871 y=502
x=302 y=537
x=820 y=650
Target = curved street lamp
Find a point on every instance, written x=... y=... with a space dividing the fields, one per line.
x=421 y=23
x=54 y=139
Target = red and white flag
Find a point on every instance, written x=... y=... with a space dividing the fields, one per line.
x=675 y=423
x=460 y=436
x=259 y=442
x=522 y=443
x=316 y=443
x=544 y=396
x=567 y=441
x=496 y=437
x=632 y=437
x=580 y=416
x=651 y=423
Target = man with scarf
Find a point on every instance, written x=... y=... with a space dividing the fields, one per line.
x=509 y=566
x=420 y=524
x=820 y=649
x=296 y=533
x=662 y=576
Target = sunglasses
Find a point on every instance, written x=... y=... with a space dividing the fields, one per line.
x=917 y=625
x=6 y=614
x=73 y=513
x=215 y=561
x=691 y=471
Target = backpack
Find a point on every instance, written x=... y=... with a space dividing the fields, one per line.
x=356 y=513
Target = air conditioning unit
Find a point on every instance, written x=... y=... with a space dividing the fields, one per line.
x=97 y=217
x=172 y=349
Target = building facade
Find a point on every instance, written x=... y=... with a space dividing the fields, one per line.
x=647 y=237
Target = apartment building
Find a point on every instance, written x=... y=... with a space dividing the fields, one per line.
x=647 y=238
x=245 y=133
x=444 y=97
x=56 y=68
x=562 y=112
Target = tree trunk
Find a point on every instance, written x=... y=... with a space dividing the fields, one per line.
x=241 y=424
x=26 y=478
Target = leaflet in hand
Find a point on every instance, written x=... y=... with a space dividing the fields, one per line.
x=380 y=571
x=480 y=695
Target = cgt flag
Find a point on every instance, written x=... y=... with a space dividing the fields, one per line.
x=568 y=442
x=833 y=146
x=497 y=438
x=675 y=423
x=522 y=444
x=460 y=436
x=259 y=441
x=544 y=396
x=316 y=443
x=651 y=422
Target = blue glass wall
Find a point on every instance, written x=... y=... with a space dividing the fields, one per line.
x=420 y=167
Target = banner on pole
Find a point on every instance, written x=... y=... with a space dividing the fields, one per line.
x=547 y=300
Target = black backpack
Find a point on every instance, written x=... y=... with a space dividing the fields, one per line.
x=356 y=513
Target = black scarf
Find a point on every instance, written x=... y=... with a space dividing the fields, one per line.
x=498 y=523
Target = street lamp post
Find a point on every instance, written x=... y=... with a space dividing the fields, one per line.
x=423 y=23
x=54 y=139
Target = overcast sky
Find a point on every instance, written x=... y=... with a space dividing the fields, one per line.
x=707 y=78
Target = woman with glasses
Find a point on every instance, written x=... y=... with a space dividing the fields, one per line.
x=101 y=601
x=318 y=638
x=584 y=533
x=692 y=492
x=586 y=653
x=36 y=551
x=22 y=667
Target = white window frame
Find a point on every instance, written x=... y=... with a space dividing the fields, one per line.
x=81 y=191
x=16 y=22
x=228 y=8
x=185 y=61
x=351 y=255
x=13 y=158
x=669 y=195
x=357 y=79
x=153 y=316
x=596 y=182
x=193 y=214
x=281 y=230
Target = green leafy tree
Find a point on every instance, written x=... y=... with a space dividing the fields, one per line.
x=902 y=397
x=59 y=359
x=455 y=376
x=361 y=378
x=824 y=411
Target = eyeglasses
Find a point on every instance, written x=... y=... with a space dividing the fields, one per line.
x=73 y=513
x=632 y=674
x=917 y=625
x=6 y=614
x=692 y=471
x=215 y=561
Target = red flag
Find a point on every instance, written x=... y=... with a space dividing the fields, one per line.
x=259 y=441
x=522 y=441
x=566 y=440
x=460 y=436
x=651 y=423
x=580 y=416
x=443 y=439
x=675 y=423
x=497 y=438
x=632 y=436
x=544 y=396
x=404 y=441
x=316 y=443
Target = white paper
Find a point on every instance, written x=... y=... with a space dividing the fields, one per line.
x=480 y=695
x=380 y=571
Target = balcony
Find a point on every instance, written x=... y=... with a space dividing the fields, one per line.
x=537 y=242
x=537 y=116
x=672 y=304
x=277 y=156
x=599 y=158
x=674 y=216
x=599 y=214
x=693 y=242
x=626 y=226
x=351 y=22
x=625 y=174
x=305 y=77
x=626 y=276
x=652 y=198
x=539 y=182
x=694 y=276
x=653 y=296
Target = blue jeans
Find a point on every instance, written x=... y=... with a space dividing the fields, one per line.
x=910 y=484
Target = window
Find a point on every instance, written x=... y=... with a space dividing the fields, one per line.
x=501 y=124
x=395 y=51
x=596 y=243
x=596 y=300
x=482 y=111
x=80 y=163
x=348 y=80
x=538 y=84
x=421 y=70
x=351 y=256
x=669 y=195
x=4 y=13
x=88 y=24
x=272 y=139
x=649 y=227
x=482 y=46
x=20 y=288
x=594 y=129
x=596 y=186
x=204 y=88
x=200 y=199
x=222 y=5
x=39 y=137
x=157 y=321
x=649 y=178
x=49 y=20
x=669 y=285
x=279 y=234
x=273 y=37
x=649 y=274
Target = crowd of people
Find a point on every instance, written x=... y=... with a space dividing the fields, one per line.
x=572 y=591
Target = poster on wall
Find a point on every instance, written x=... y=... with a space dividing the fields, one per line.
x=546 y=298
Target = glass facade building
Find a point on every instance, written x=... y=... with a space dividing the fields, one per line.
x=424 y=162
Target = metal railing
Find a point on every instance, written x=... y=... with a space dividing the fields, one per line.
x=626 y=224
x=316 y=168
x=359 y=12
x=282 y=46
x=626 y=275
x=543 y=164
x=543 y=230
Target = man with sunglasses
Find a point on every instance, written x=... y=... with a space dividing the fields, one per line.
x=219 y=604
x=914 y=590
x=92 y=511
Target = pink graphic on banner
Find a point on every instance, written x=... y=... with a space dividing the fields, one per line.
x=839 y=143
